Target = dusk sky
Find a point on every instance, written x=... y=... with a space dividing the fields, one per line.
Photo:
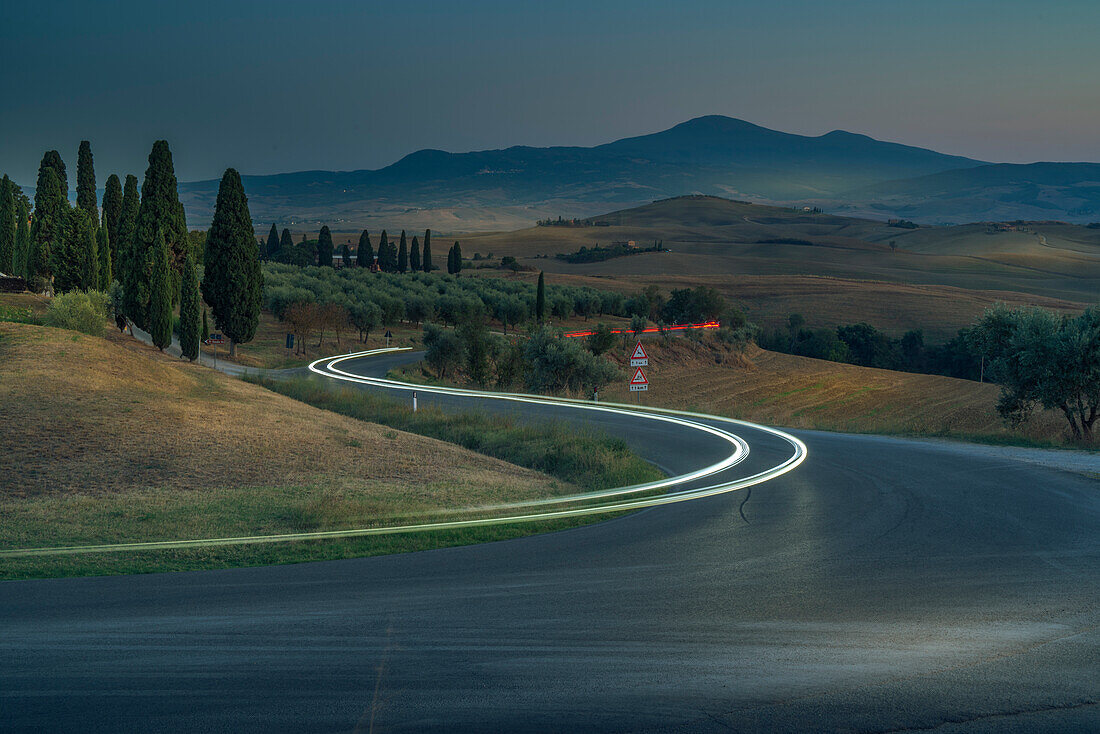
x=283 y=85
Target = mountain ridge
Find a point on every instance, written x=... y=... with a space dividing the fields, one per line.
x=713 y=154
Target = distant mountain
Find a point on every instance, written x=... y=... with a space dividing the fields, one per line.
x=998 y=192
x=711 y=155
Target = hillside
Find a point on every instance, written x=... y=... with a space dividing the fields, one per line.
x=107 y=440
x=711 y=236
x=1003 y=191
x=714 y=154
x=786 y=390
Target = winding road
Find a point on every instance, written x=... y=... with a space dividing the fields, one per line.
x=883 y=585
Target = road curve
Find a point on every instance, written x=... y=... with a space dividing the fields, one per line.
x=886 y=585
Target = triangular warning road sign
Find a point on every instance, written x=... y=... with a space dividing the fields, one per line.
x=639 y=378
x=639 y=352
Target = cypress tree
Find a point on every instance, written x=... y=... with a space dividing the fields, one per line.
x=414 y=255
x=7 y=226
x=364 y=256
x=161 y=208
x=403 y=255
x=85 y=182
x=205 y=327
x=22 y=242
x=345 y=255
x=233 y=283
x=272 y=243
x=451 y=261
x=52 y=159
x=285 y=242
x=160 y=294
x=112 y=211
x=386 y=262
x=189 y=309
x=427 y=251
x=540 y=298
x=458 y=258
x=75 y=265
x=132 y=264
x=106 y=267
x=50 y=209
x=324 y=250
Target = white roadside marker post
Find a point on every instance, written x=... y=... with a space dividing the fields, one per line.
x=414 y=401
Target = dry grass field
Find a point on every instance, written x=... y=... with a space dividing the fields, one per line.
x=787 y=390
x=825 y=302
x=107 y=440
x=709 y=236
x=703 y=374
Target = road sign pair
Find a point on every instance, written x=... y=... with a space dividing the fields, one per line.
x=639 y=359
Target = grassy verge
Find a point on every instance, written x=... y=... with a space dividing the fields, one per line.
x=585 y=458
x=267 y=554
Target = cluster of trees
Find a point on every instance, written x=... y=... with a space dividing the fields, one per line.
x=139 y=250
x=682 y=306
x=864 y=345
x=391 y=257
x=1043 y=359
x=599 y=254
x=544 y=363
x=384 y=299
x=52 y=245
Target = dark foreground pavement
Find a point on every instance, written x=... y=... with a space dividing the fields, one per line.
x=885 y=585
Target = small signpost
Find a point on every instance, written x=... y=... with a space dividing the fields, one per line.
x=215 y=339
x=638 y=383
x=638 y=357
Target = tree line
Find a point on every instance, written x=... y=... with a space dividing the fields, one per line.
x=137 y=248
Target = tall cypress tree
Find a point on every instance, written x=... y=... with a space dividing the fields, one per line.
x=50 y=209
x=451 y=261
x=189 y=309
x=272 y=243
x=22 y=241
x=85 y=182
x=387 y=254
x=427 y=251
x=345 y=255
x=205 y=327
x=403 y=255
x=160 y=207
x=414 y=255
x=160 y=294
x=112 y=211
x=540 y=298
x=52 y=159
x=7 y=226
x=285 y=242
x=364 y=256
x=75 y=260
x=233 y=283
x=458 y=258
x=106 y=267
x=324 y=249
x=132 y=264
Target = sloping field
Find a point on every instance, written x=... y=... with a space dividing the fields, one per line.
x=710 y=236
x=787 y=390
x=107 y=440
x=825 y=302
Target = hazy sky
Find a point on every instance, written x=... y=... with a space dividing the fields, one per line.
x=283 y=85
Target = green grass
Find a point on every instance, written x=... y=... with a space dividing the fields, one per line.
x=267 y=554
x=586 y=458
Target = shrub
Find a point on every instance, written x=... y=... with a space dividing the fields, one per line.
x=80 y=311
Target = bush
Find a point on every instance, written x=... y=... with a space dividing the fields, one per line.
x=80 y=311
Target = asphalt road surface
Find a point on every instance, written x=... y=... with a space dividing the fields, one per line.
x=884 y=585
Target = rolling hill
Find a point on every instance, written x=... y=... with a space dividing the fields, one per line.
x=495 y=189
x=999 y=192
